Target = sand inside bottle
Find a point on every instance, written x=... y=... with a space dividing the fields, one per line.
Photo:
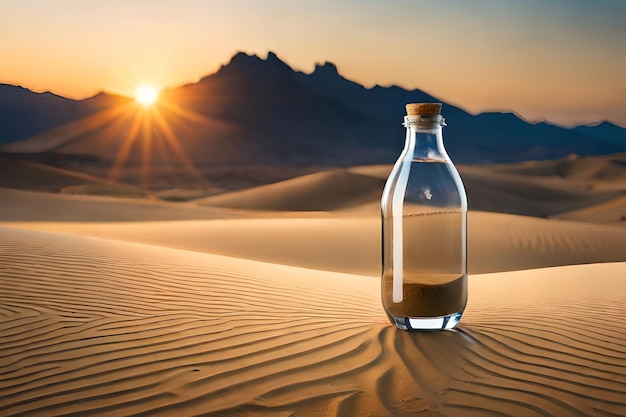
x=426 y=295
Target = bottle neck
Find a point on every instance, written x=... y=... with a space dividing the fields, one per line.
x=424 y=138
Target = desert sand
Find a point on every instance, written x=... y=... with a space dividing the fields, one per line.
x=267 y=301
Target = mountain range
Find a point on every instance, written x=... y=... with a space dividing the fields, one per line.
x=256 y=111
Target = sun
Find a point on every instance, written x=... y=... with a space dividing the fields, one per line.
x=146 y=95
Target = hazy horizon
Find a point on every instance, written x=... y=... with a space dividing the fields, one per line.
x=560 y=62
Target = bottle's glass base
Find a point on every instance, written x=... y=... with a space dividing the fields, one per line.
x=427 y=323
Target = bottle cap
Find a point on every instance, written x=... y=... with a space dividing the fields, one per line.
x=423 y=109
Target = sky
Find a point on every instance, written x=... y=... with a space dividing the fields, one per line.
x=563 y=61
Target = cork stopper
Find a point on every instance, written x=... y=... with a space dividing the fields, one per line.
x=423 y=109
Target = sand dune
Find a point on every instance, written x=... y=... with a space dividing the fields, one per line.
x=103 y=327
x=322 y=191
x=28 y=206
x=513 y=189
x=497 y=242
x=583 y=189
x=267 y=301
x=612 y=211
x=530 y=196
x=31 y=176
x=605 y=168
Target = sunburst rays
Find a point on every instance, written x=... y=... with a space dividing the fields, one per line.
x=150 y=146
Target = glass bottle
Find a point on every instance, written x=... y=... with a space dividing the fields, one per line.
x=424 y=229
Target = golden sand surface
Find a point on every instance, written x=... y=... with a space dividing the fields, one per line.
x=113 y=302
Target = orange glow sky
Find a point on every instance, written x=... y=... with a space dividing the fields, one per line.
x=560 y=60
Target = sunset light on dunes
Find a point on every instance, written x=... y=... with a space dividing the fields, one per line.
x=194 y=195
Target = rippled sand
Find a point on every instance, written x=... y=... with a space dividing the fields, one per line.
x=132 y=306
x=94 y=326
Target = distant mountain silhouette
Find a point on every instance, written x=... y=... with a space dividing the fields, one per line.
x=24 y=113
x=292 y=121
x=604 y=131
x=261 y=111
x=486 y=137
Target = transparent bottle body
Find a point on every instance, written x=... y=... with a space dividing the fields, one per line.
x=424 y=233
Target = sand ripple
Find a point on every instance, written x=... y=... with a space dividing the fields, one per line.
x=96 y=327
